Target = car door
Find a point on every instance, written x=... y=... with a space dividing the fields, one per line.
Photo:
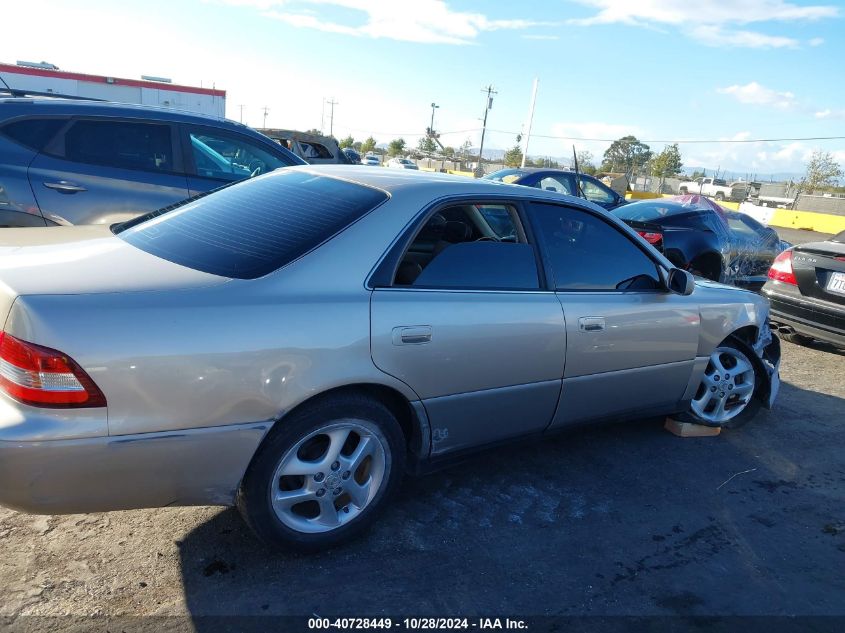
x=631 y=343
x=101 y=170
x=464 y=320
x=216 y=157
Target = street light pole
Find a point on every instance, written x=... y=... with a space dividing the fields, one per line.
x=434 y=106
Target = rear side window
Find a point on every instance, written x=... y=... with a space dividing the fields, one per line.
x=585 y=253
x=34 y=133
x=122 y=144
x=253 y=228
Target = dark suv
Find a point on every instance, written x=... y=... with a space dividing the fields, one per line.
x=91 y=162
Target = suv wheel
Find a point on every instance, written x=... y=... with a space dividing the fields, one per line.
x=324 y=473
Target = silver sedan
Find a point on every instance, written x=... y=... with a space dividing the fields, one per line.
x=292 y=344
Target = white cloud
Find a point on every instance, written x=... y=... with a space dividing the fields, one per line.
x=827 y=113
x=712 y=22
x=422 y=21
x=756 y=94
x=816 y=41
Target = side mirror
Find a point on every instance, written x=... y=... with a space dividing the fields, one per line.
x=680 y=282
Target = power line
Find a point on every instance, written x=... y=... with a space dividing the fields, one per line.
x=681 y=142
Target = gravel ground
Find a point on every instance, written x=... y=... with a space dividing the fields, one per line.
x=621 y=519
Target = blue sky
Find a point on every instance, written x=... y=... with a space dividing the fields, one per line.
x=659 y=69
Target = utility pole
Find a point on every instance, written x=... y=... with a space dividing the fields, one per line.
x=530 y=122
x=241 y=106
x=266 y=110
x=332 y=103
x=323 y=117
x=488 y=104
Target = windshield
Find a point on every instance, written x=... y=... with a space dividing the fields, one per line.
x=252 y=228
x=506 y=175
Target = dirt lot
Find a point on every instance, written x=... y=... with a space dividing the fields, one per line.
x=623 y=519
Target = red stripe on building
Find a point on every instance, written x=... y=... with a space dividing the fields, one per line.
x=111 y=81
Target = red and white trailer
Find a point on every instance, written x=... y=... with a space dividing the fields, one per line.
x=47 y=79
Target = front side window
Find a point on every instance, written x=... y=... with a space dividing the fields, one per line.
x=229 y=158
x=470 y=246
x=586 y=253
x=252 y=228
x=121 y=144
x=596 y=193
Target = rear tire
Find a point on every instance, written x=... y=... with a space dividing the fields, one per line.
x=323 y=474
x=728 y=393
x=719 y=197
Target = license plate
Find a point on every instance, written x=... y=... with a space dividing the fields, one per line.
x=836 y=283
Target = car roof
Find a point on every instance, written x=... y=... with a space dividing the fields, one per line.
x=395 y=180
x=46 y=106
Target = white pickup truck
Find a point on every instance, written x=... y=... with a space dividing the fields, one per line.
x=712 y=187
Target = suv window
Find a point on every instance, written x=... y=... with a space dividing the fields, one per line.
x=474 y=246
x=586 y=253
x=250 y=229
x=122 y=144
x=34 y=133
x=229 y=158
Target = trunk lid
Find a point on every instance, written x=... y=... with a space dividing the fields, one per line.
x=820 y=270
x=83 y=260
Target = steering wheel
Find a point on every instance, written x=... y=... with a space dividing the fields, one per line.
x=485 y=238
x=255 y=172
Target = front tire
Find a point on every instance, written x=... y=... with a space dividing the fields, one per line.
x=323 y=474
x=727 y=393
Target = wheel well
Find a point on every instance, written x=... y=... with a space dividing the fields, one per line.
x=747 y=334
x=710 y=265
x=389 y=397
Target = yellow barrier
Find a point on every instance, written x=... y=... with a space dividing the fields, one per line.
x=641 y=195
x=821 y=222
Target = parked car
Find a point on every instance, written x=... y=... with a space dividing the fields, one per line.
x=353 y=156
x=402 y=163
x=806 y=289
x=68 y=161
x=372 y=160
x=698 y=235
x=299 y=339
x=561 y=181
x=314 y=149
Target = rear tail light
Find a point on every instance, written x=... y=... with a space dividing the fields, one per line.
x=781 y=269
x=652 y=238
x=43 y=377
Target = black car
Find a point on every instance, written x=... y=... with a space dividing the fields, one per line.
x=562 y=181
x=66 y=161
x=806 y=289
x=700 y=236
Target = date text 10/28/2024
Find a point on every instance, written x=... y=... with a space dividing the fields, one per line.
x=416 y=623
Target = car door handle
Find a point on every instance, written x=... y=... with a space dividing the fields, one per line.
x=411 y=335
x=63 y=186
x=591 y=324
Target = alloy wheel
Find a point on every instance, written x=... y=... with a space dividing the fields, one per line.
x=726 y=387
x=328 y=477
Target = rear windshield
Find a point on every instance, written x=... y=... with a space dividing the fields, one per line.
x=254 y=227
x=648 y=211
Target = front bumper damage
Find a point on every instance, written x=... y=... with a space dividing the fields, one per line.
x=767 y=350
